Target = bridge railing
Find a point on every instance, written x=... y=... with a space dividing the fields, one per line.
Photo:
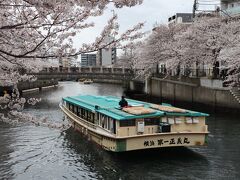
x=103 y=70
x=106 y=70
x=85 y=70
x=96 y=69
x=118 y=70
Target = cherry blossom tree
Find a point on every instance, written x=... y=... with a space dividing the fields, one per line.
x=206 y=41
x=211 y=40
x=128 y=58
x=229 y=55
x=159 y=47
x=34 y=31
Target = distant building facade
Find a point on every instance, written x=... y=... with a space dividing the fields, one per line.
x=88 y=60
x=107 y=56
x=180 y=18
x=65 y=62
x=230 y=8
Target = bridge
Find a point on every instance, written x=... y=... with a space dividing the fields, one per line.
x=97 y=74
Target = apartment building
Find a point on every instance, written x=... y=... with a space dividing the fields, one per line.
x=230 y=8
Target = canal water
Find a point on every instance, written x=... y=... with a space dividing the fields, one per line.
x=35 y=152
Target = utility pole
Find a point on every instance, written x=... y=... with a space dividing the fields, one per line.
x=194 y=8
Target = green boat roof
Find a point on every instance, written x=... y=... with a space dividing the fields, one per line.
x=108 y=105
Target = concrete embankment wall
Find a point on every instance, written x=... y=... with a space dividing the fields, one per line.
x=38 y=84
x=176 y=91
x=113 y=81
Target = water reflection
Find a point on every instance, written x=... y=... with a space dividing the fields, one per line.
x=30 y=152
x=6 y=140
x=134 y=165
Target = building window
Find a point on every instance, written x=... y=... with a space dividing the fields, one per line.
x=231 y=5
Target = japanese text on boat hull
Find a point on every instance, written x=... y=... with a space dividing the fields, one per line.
x=166 y=141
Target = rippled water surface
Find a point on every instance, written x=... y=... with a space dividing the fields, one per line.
x=30 y=152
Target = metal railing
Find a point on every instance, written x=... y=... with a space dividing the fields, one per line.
x=234 y=11
x=214 y=73
x=87 y=70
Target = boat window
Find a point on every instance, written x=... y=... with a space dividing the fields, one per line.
x=109 y=123
x=113 y=130
x=125 y=123
x=106 y=122
x=89 y=116
x=151 y=121
x=78 y=111
x=71 y=107
x=82 y=113
x=103 y=121
x=93 y=117
x=112 y=125
x=75 y=109
x=98 y=116
x=98 y=119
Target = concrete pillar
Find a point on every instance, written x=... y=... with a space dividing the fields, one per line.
x=90 y=69
x=174 y=94
x=147 y=87
x=160 y=87
x=101 y=69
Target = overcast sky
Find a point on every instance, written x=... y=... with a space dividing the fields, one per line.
x=151 y=11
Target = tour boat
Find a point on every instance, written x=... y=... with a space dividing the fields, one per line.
x=87 y=81
x=81 y=80
x=138 y=126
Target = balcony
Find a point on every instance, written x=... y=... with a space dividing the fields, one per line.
x=235 y=11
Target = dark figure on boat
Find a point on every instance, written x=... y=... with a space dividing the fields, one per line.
x=123 y=102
